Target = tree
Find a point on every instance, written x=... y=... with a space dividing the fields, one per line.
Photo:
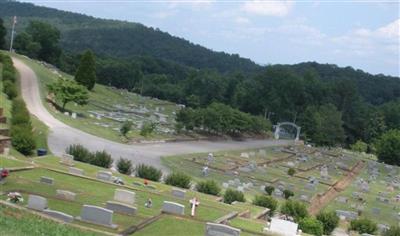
x=209 y=187
x=24 y=44
x=359 y=146
x=323 y=125
x=86 y=72
x=329 y=220
x=388 y=147
x=311 y=226
x=125 y=128
x=178 y=179
x=266 y=201
x=363 y=226
x=66 y=91
x=3 y=33
x=288 y=193
x=47 y=37
x=232 y=195
x=124 y=166
x=269 y=189
x=295 y=209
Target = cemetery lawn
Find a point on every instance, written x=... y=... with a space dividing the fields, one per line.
x=16 y=222
x=93 y=192
x=112 y=103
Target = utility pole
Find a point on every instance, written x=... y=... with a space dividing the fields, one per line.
x=13 y=32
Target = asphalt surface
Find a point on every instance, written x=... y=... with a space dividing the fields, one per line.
x=62 y=135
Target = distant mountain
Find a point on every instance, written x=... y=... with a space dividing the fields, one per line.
x=123 y=39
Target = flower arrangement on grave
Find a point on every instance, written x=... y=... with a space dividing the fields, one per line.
x=146 y=182
x=3 y=174
x=15 y=197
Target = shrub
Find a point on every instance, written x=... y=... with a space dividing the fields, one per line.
x=291 y=171
x=22 y=139
x=8 y=75
x=79 y=152
x=19 y=113
x=232 y=195
x=178 y=179
x=124 y=166
x=266 y=201
x=287 y=193
x=10 y=89
x=209 y=187
x=363 y=226
x=295 y=209
x=329 y=220
x=147 y=128
x=393 y=231
x=148 y=172
x=102 y=159
x=125 y=128
x=269 y=189
x=311 y=226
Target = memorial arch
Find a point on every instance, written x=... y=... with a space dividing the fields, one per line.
x=278 y=129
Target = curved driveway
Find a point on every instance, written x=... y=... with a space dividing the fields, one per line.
x=62 y=135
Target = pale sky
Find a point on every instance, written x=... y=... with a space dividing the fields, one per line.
x=361 y=34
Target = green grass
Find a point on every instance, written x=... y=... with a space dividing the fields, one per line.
x=170 y=225
x=7 y=162
x=15 y=222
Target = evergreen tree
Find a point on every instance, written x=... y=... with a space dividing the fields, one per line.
x=86 y=73
x=3 y=33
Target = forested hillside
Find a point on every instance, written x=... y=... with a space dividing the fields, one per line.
x=122 y=39
x=333 y=105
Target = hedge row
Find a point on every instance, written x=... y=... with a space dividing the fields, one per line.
x=98 y=158
x=21 y=127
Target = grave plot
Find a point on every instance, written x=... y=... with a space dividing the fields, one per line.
x=374 y=194
x=258 y=168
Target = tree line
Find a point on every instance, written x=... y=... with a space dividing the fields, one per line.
x=335 y=106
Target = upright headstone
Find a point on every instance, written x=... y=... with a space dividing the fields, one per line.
x=180 y=193
x=124 y=196
x=59 y=215
x=283 y=227
x=46 y=180
x=67 y=159
x=104 y=175
x=76 y=171
x=97 y=215
x=121 y=207
x=213 y=229
x=66 y=195
x=173 y=208
x=37 y=202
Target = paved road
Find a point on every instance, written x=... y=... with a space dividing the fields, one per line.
x=62 y=135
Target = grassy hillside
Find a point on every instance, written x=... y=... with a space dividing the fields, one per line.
x=80 y=32
x=91 y=191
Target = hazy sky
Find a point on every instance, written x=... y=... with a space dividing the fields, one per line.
x=362 y=34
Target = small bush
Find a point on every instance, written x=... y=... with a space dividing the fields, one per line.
x=291 y=171
x=148 y=172
x=232 y=195
x=124 y=166
x=102 y=159
x=125 y=128
x=363 y=226
x=329 y=220
x=10 y=89
x=311 y=226
x=393 y=231
x=8 y=75
x=19 y=113
x=295 y=209
x=209 y=187
x=266 y=201
x=287 y=193
x=79 y=152
x=22 y=139
x=178 y=179
x=147 y=128
x=269 y=189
